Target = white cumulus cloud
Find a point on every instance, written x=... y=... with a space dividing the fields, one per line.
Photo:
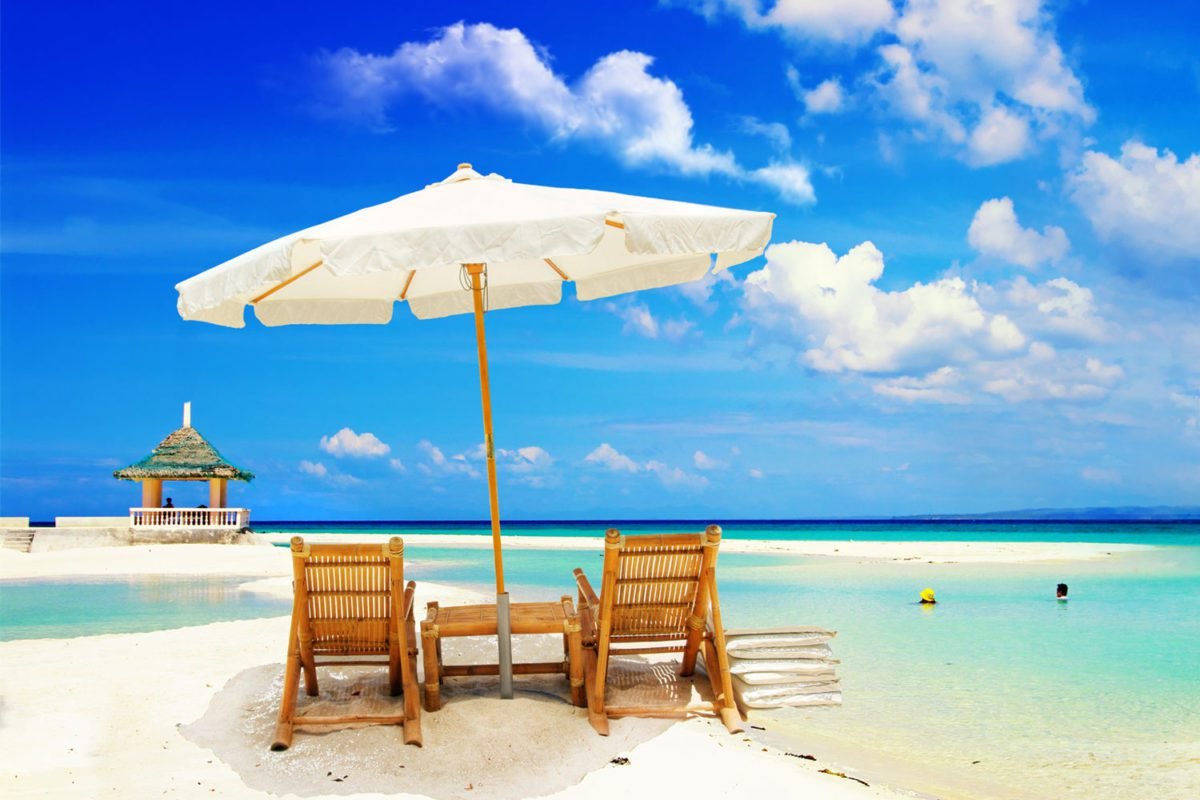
x=1039 y=374
x=792 y=181
x=943 y=385
x=996 y=232
x=1000 y=135
x=640 y=320
x=704 y=461
x=847 y=323
x=617 y=102
x=607 y=456
x=319 y=470
x=827 y=97
x=671 y=477
x=988 y=77
x=700 y=292
x=1058 y=309
x=1147 y=200
x=1045 y=375
x=437 y=464
x=985 y=75
x=774 y=132
x=840 y=21
x=355 y=445
x=675 y=477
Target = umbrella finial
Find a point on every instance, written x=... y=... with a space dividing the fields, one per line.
x=463 y=173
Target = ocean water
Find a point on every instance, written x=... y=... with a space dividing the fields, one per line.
x=60 y=609
x=1153 y=533
x=997 y=691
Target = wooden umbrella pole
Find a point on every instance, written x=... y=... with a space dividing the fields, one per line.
x=475 y=271
x=503 y=620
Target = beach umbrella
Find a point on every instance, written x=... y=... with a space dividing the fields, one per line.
x=468 y=244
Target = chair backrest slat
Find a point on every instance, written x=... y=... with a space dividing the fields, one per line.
x=348 y=595
x=654 y=580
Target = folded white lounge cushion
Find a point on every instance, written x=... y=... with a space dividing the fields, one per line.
x=797 y=667
x=788 y=678
x=746 y=643
x=786 y=695
x=818 y=652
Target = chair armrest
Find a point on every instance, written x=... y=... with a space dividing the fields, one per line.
x=409 y=592
x=589 y=609
x=586 y=593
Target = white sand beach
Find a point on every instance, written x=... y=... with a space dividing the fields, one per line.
x=189 y=713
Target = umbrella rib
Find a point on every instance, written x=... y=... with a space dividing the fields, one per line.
x=275 y=289
x=614 y=223
x=554 y=267
x=407 y=283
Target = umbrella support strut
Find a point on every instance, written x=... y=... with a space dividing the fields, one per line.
x=503 y=618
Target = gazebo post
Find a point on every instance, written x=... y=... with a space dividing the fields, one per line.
x=151 y=493
x=216 y=493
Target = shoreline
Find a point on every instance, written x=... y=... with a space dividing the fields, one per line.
x=938 y=552
x=269 y=559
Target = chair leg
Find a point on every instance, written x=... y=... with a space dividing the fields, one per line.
x=575 y=663
x=433 y=685
x=597 y=718
x=395 y=674
x=691 y=648
x=412 y=691
x=287 y=705
x=718 y=676
x=309 y=663
x=412 y=730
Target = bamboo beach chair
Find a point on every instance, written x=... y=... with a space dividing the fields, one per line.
x=658 y=595
x=351 y=607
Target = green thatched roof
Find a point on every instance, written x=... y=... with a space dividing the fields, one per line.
x=182 y=455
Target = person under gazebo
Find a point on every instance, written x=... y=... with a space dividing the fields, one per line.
x=168 y=504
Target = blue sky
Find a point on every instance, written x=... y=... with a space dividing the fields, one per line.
x=981 y=295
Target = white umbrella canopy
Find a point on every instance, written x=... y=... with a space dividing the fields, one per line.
x=439 y=248
x=354 y=269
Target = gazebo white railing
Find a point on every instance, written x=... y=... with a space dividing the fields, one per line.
x=189 y=517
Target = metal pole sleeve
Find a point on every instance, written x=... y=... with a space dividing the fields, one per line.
x=504 y=637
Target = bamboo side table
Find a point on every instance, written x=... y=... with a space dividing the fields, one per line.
x=480 y=620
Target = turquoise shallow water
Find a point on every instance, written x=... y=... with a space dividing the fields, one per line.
x=999 y=683
x=59 y=609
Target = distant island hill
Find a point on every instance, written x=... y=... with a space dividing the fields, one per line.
x=1095 y=514
x=184 y=455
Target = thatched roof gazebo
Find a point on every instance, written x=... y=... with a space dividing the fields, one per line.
x=185 y=455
